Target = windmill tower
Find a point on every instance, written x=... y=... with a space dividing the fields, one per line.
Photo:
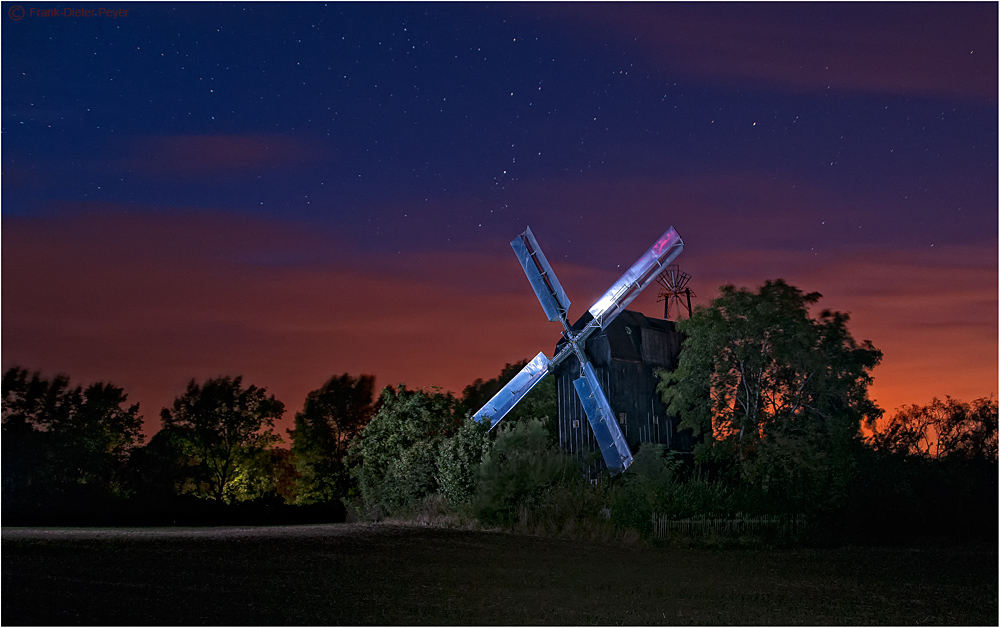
x=627 y=357
x=674 y=291
x=573 y=349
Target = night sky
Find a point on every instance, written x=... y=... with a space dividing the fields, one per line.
x=295 y=191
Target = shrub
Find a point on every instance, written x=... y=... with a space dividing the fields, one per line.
x=390 y=476
x=641 y=490
x=458 y=462
x=411 y=478
x=519 y=472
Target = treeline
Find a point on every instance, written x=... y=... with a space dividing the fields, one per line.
x=775 y=398
x=78 y=455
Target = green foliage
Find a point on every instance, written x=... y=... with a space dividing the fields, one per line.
x=654 y=485
x=411 y=477
x=639 y=491
x=331 y=416
x=224 y=429
x=59 y=440
x=263 y=474
x=458 y=462
x=942 y=429
x=703 y=497
x=390 y=477
x=540 y=403
x=653 y=463
x=779 y=394
x=931 y=470
x=520 y=471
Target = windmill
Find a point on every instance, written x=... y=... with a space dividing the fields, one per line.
x=673 y=289
x=556 y=304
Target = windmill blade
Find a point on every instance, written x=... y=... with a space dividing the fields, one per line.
x=602 y=421
x=541 y=276
x=505 y=400
x=636 y=278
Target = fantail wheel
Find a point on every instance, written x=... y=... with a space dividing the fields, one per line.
x=674 y=291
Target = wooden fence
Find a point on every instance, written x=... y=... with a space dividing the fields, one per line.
x=774 y=526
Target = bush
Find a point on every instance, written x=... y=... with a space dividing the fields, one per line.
x=390 y=476
x=701 y=497
x=520 y=472
x=641 y=490
x=411 y=478
x=458 y=463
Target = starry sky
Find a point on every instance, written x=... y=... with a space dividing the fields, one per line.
x=290 y=192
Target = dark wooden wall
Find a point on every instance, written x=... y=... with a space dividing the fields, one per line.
x=625 y=356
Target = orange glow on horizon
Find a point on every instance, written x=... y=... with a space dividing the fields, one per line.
x=151 y=315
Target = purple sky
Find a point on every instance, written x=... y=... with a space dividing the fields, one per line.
x=295 y=191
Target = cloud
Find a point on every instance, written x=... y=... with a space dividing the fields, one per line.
x=602 y=221
x=150 y=300
x=929 y=49
x=203 y=156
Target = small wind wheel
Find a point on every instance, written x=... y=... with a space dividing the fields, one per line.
x=674 y=291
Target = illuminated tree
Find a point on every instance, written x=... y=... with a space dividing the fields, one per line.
x=224 y=428
x=394 y=457
x=458 y=462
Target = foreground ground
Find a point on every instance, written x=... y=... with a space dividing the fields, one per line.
x=385 y=575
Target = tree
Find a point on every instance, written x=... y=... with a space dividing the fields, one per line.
x=264 y=474
x=331 y=417
x=778 y=393
x=224 y=427
x=393 y=459
x=59 y=439
x=942 y=429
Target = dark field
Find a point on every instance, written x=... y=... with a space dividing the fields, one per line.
x=358 y=574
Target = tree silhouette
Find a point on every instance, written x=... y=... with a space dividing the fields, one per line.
x=783 y=393
x=331 y=416
x=164 y=468
x=942 y=429
x=58 y=439
x=224 y=427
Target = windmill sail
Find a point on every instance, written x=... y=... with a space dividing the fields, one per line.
x=636 y=278
x=609 y=437
x=555 y=303
x=541 y=276
x=505 y=400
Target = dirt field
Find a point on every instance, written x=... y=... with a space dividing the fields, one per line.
x=385 y=575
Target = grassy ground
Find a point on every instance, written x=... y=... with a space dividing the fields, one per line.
x=384 y=575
